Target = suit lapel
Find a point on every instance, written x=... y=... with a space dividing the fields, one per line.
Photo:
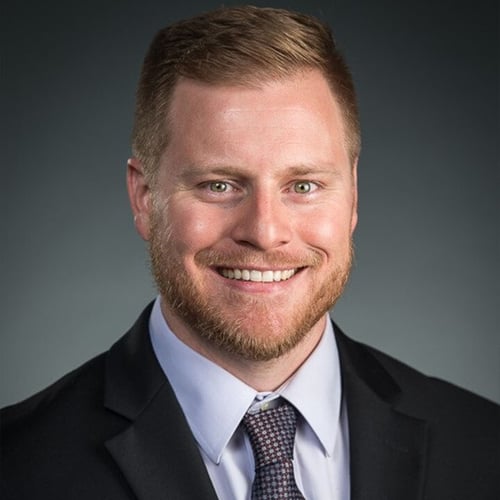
x=160 y=459
x=156 y=452
x=158 y=456
x=387 y=447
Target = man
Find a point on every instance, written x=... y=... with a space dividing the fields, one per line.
x=243 y=181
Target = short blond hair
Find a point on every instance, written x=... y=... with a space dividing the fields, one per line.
x=239 y=46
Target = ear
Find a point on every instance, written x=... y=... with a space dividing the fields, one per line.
x=139 y=194
x=354 y=216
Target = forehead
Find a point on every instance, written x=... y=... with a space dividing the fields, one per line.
x=275 y=121
x=305 y=88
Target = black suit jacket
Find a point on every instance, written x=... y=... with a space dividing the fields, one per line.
x=113 y=429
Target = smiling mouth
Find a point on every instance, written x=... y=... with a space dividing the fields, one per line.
x=268 y=276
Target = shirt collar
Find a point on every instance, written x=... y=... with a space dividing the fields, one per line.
x=214 y=401
x=315 y=390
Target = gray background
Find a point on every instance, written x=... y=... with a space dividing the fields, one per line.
x=425 y=284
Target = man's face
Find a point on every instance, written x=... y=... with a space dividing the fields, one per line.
x=251 y=218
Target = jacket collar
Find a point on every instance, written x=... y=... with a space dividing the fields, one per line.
x=387 y=446
x=158 y=455
x=156 y=452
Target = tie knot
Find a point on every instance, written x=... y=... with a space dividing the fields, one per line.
x=272 y=434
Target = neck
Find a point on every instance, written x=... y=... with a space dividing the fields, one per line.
x=263 y=376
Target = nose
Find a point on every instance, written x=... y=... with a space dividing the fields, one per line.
x=264 y=221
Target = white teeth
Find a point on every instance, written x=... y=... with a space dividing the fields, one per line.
x=258 y=276
x=267 y=276
x=255 y=275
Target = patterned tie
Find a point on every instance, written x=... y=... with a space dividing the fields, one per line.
x=272 y=433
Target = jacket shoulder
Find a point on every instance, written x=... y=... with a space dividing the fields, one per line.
x=461 y=430
x=54 y=440
x=84 y=379
x=431 y=396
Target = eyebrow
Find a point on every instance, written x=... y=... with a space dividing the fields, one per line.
x=193 y=171
x=306 y=169
x=302 y=170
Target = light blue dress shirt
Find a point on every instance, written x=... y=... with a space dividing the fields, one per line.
x=214 y=402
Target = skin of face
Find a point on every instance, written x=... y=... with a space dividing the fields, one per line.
x=250 y=220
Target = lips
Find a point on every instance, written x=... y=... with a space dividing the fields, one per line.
x=267 y=276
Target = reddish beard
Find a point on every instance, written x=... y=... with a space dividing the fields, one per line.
x=223 y=321
x=244 y=258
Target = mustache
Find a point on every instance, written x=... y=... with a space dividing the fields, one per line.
x=246 y=258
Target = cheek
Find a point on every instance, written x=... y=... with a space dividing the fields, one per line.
x=194 y=227
x=328 y=231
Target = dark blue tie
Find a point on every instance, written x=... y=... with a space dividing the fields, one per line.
x=272 y=434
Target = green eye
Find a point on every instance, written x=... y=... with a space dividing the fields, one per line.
x=302 y=187
x=218 y=187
